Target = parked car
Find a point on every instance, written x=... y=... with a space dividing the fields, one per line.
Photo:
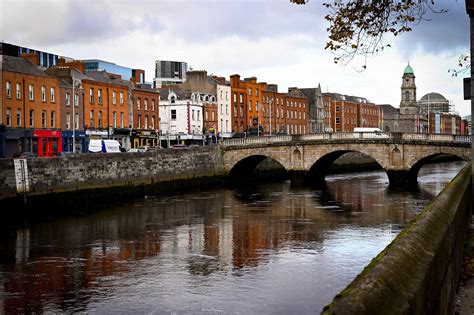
x=153 y=149
x=28 y=155
x=179 y=146
x=134 y=150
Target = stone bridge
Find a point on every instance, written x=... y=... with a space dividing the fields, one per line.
x=308 y=157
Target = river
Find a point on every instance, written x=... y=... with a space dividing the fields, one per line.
x=261 y=249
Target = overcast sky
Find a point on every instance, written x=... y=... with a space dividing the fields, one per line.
x=274 y=40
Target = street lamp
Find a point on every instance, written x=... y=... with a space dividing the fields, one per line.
x=74 y=82
x=271 y=101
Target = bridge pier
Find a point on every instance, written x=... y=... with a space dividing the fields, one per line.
x=401 y=180
x=297 y=178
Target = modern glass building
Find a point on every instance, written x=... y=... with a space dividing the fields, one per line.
x=110 y=67
x=169 y=72
x=44 y=59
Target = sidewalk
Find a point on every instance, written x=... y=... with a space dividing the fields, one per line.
x=464 y=300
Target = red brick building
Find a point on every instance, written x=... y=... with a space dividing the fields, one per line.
x=30 y=100
x=343 y=113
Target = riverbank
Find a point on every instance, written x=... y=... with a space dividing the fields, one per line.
x=464 y=300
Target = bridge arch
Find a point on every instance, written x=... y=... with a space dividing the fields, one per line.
x=244 y=169
x=317 y=172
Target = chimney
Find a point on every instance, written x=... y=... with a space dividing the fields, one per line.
x=76 y=64
x=33 y=57
x=235 y=80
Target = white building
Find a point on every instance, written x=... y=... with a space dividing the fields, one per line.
x=181 y=116
x=224 y=111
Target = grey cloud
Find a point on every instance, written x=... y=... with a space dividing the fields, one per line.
x=443 y=32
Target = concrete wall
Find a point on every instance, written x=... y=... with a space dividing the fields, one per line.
x=103 y=171
x=418 y=272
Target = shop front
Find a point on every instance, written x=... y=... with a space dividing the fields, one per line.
x=80 y=141
x=16 y=141
x=142 y=138
x=47 y=143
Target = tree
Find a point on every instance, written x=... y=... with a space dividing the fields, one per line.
x=358 y=27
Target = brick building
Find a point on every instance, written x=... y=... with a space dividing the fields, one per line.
x=296 y=111
x=343 y=113
x=30 y=109
x=274 y=117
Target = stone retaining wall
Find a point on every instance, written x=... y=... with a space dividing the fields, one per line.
x=105 y=171
x=418 y=272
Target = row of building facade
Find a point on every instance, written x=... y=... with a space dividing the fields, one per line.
x=52 y=104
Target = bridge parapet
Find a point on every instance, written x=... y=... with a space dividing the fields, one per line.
x=352 y=136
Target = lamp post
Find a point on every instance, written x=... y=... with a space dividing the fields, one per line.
x=74 y=82
x=271 y=101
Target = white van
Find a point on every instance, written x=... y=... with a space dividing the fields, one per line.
x=105 y=146
x=368 y=132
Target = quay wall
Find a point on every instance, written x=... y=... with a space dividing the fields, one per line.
x=418 y=272
x=117 y=173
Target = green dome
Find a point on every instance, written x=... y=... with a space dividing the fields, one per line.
x=408 y=70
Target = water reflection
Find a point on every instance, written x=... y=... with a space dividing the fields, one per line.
x=263 y=249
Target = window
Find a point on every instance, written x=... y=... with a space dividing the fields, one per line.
x=146 y=122
x=250 y=91
x=32 y=118
x=139 y=118
x=153 y=104
x=9 y=117
x=250 y=106
x=256 y=92
x=212 y=116
x=114 y=97
x=256 y=106
x=91 y=95
x=53 y=119
x=52 y=91
x=337 y=120
x=226 y=95
x=206 y=113
x=152 y=122
x=192 y=115
x=145 y=103
x=8 y=89
x=407 y=96
x=43 y=119
x=199 y=115
x=91 y=117
x=227 y=109
x=139 y=101
x=121 y=98
x=18 y=91
x=235 y=97
x=337 y=109
x=76 y=121
x=76 y=100
x=241 y=98
x=68 y=99
x=68 y=120
x=99 y=96
x=18 y=118
x=100 y=119
x=121 y=120
x=173 y=114
x=43 y=93
x=115 y=119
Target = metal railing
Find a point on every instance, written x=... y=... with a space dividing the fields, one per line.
x=394 y=136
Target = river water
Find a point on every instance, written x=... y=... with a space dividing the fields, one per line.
x=263 y=249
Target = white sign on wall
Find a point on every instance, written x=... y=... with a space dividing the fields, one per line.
x=21 y=175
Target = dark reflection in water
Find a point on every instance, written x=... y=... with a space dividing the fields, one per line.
x=264 y=249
